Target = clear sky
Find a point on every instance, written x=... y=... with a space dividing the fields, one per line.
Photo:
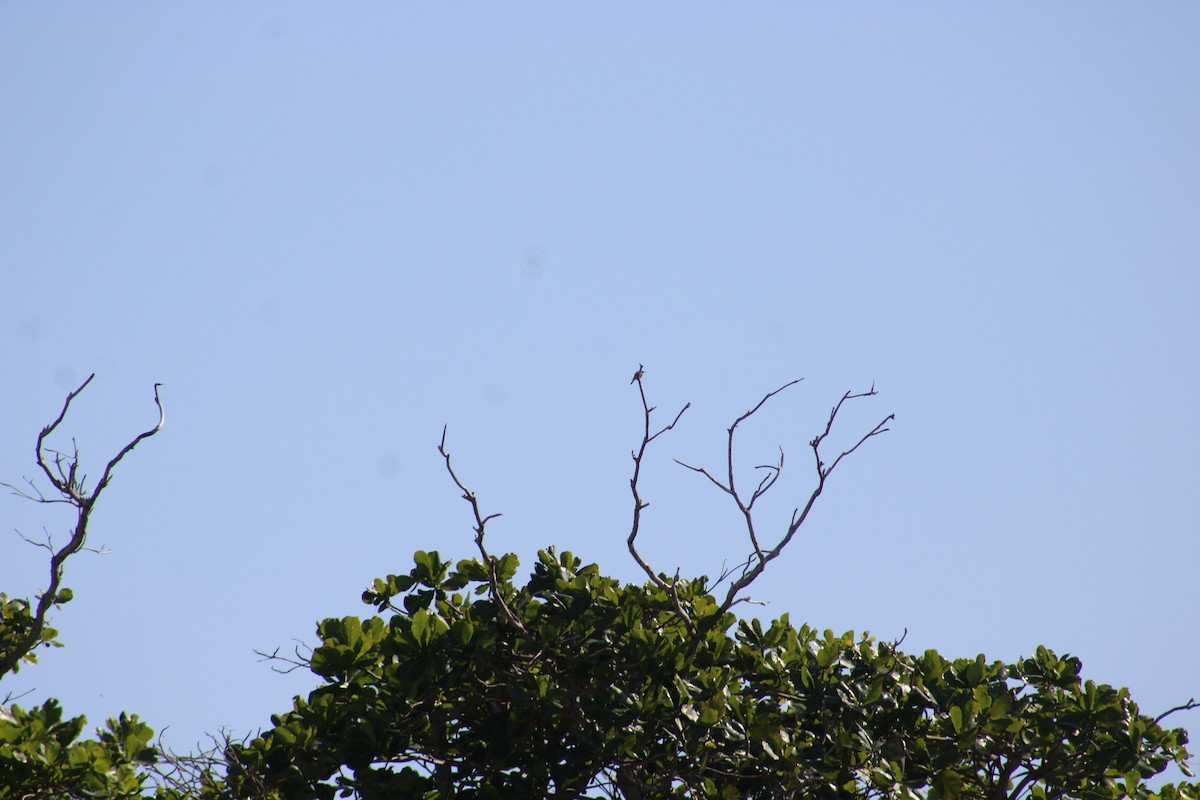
x=329 y=230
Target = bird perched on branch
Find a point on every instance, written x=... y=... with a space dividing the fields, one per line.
x=637 y=376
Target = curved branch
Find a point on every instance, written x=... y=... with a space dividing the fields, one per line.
x=106 y=477
x=1188 y=706
x=70 y=485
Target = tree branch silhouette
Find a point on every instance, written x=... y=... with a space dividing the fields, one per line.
x=63 y=472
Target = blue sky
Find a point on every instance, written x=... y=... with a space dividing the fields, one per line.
x=329 y=231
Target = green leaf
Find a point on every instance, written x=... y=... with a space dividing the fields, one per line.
x=472 y=569
x=950 y=783
x=506 y=566
x=420 y=626
x=463 y=631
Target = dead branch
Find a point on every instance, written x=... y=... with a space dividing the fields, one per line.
x=10 y=698
x=1188 y=706
x=190 y=774
x=300 y=659
x=480 y=524
x=761 y=558
x=758 y=559
x=71 y=485
x=773 y=473
x=639 y=505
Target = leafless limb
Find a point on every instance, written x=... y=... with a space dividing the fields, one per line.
x=760 y=555
x=299 y=659
x=1188 y=706
x=48 y=544
x=768 y=480
x=71 y=485
x=36 y=495
x=190 y=774
x=9 y=697
x=894 y=644
x=639 y=504
x=480 y=525
x=726 y=570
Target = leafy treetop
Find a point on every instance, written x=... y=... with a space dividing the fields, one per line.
x=465 y=683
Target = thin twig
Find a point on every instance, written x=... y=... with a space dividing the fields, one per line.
x=760 y=556
x=798 y=515
x=10 y=697
x=639 y=505
x=301 y=660
x=480 y=526
x=730 y=488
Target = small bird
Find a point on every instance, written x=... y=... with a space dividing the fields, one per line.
x=637 y=376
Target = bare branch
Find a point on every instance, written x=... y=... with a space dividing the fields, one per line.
x=46 y=545
x=753 y=566
x=764 y=485
x=703 y=472
x=894 y=645
x=639 y=505
x=1188 y=706
x=9 y=697
x=745 y=507
x=726 y=571
x=480 y=526
x=60 y=481
x=37 y=495
x=190 y=774
x=300 y=659
x=104 y=479
x=66 y=479
x=798 y=515
x=878 y=429
x=774 y=471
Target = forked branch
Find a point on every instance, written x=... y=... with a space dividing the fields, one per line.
x=760 y=558
x=71 y=485
x=761 y=554
x=480 y=526
x=773 y=471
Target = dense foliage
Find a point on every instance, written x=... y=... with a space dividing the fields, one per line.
x=606 y=693
x=41 y=754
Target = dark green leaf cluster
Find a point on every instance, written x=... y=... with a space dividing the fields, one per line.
x=41 y=757
x=603 y=690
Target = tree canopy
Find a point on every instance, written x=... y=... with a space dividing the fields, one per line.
x=465 y=681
